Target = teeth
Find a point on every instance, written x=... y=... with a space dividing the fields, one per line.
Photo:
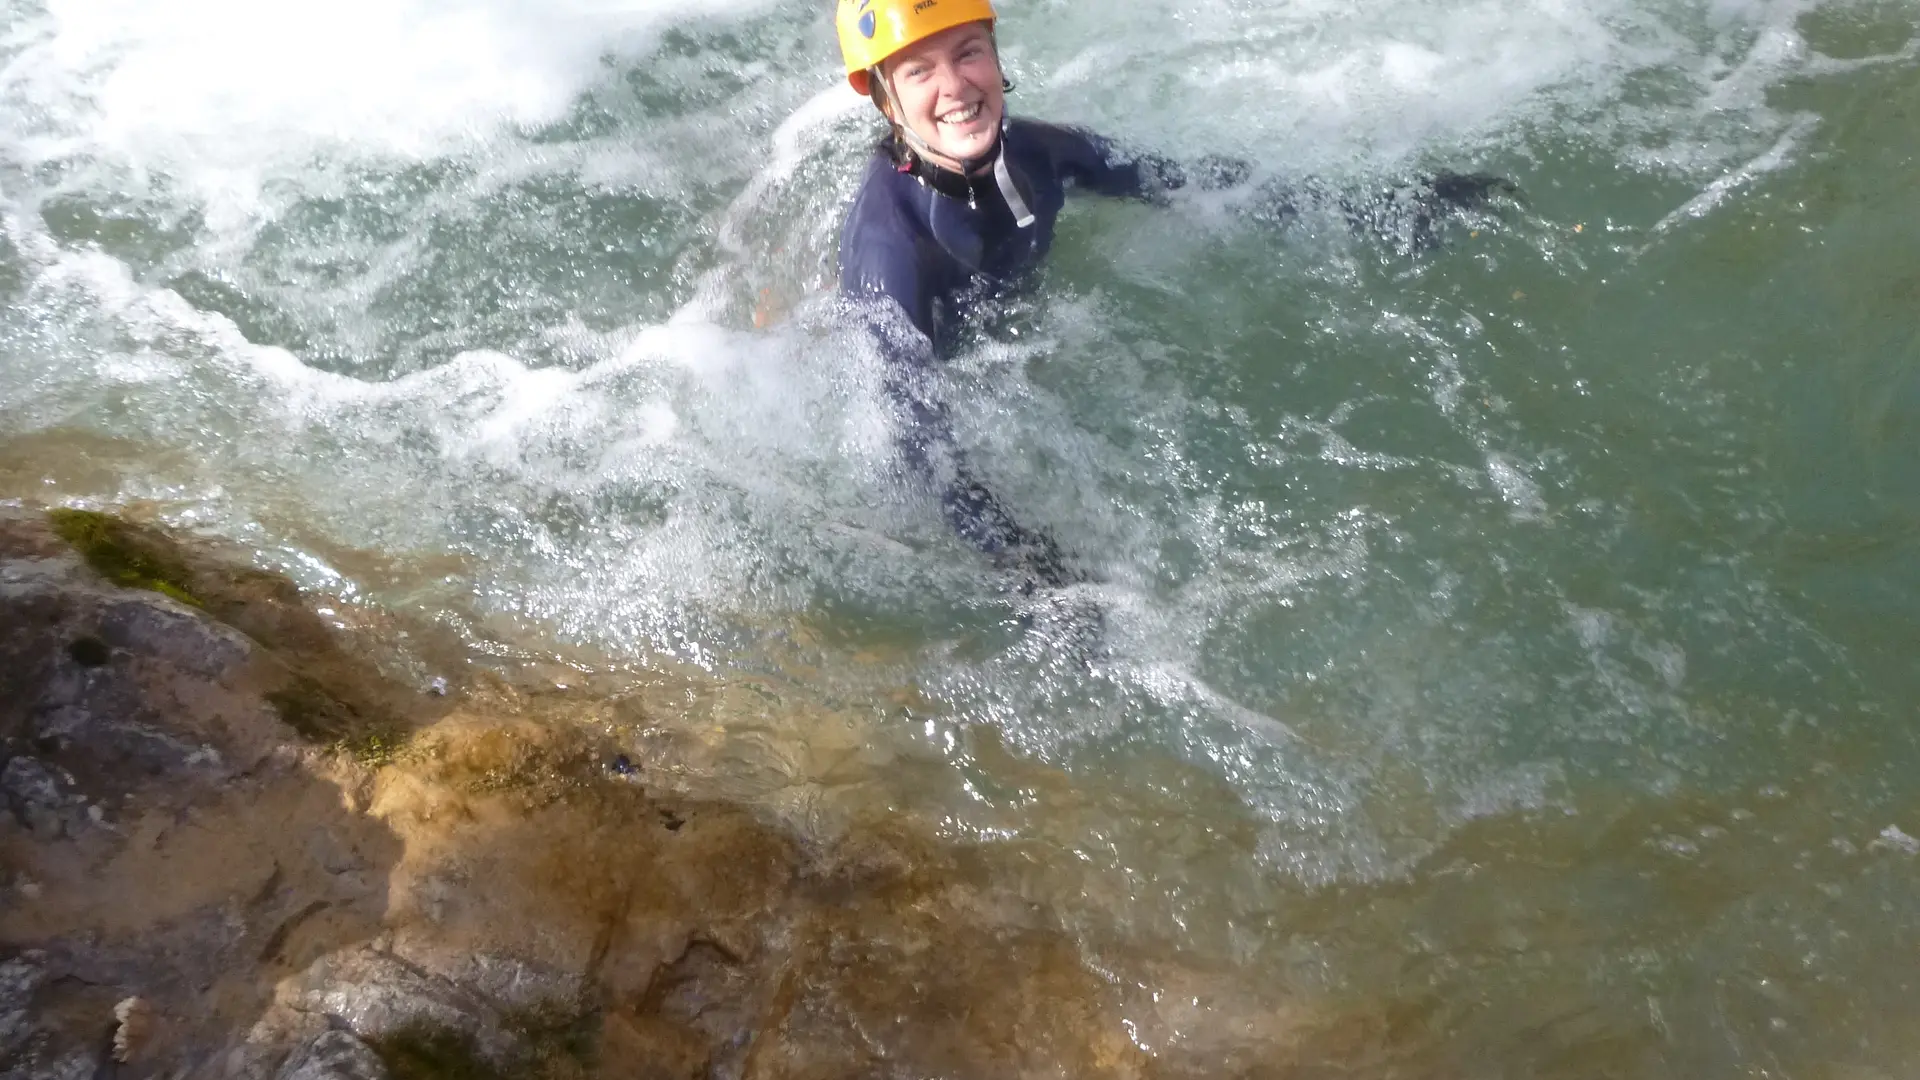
x=961 y=116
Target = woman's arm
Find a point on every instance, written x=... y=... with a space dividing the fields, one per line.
x=898 y=309
x=1406 y=213
x=1085 y=160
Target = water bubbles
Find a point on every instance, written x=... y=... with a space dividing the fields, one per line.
x=1895 y=839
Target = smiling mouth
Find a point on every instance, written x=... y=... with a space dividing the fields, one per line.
x=962 y=116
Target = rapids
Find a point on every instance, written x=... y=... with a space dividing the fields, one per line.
x=1514 y=640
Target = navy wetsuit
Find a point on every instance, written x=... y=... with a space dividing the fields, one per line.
x=930 y=241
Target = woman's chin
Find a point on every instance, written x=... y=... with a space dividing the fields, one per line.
x=966 y=147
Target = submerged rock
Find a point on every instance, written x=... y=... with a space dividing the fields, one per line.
x=308 y=871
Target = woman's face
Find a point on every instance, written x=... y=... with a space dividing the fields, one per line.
x=948 y=88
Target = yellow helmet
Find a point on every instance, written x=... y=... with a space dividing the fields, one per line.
x=872 y=30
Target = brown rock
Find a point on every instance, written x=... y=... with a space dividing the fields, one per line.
x=315 y=873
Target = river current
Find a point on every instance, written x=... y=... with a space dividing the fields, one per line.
x=1518 y=637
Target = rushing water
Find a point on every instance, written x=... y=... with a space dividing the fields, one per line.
x=1521 y=633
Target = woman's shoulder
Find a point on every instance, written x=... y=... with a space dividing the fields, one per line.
x=882 y=179
x=878 y=240
x=1052 y=135
x=1062 y=145
x=883 y=201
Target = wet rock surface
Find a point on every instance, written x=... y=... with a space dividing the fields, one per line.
x=333 y=1055
x=305 y=870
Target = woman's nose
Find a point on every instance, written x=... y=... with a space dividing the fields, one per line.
x=947 y=79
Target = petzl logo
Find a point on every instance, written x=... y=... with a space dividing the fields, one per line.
x=867 y=20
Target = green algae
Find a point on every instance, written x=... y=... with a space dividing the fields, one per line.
x=265 y=607
x=374 y=749
x=305 y=706
x=429 y=1053
x=552 y=1048
x=124 y=554
x=321 y=716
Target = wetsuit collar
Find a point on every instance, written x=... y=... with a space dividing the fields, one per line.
x=961 y=185
x=948 y=182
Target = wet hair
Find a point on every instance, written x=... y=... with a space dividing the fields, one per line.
x=887 y=138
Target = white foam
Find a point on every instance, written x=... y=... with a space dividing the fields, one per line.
x=793 y=141
x=1724 y=186
x=220 y=99
x=1314 y=85
x=1510 y=478
x=401 y=76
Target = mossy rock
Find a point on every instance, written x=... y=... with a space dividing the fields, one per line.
x=331 y=698
x=550 y=1050
x=320 y=716
x=125 y=554
x=423 y=1053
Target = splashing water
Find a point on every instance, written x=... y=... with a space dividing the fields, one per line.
x=1516 y=626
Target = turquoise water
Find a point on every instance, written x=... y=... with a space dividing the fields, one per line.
x=1513 y=643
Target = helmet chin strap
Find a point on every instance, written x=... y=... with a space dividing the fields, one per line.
x=1002 y=176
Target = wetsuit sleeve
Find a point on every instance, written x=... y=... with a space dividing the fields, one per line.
x=890 y=289
x=1407 y=215
x=1088 y=161
x=888 y=286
